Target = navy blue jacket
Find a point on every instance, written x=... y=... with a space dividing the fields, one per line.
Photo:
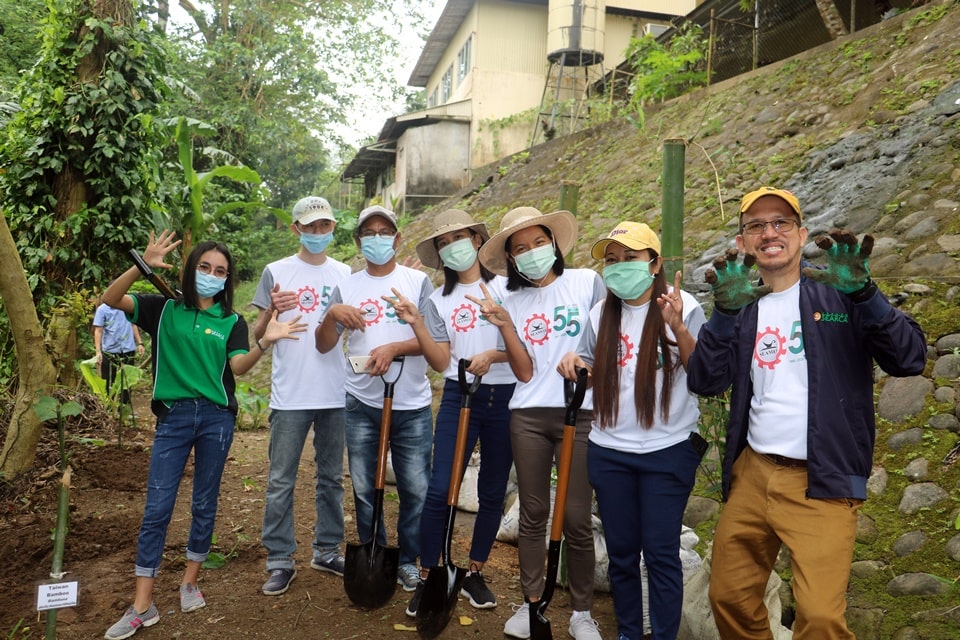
x=842 y=339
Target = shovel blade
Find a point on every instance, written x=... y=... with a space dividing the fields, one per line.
x=370 y=574
x=439 y=598
x=539 y=625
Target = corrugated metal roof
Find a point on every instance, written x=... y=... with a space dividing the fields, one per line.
x=446 y=27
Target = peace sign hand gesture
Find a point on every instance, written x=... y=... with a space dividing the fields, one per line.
x=491 y=309
x=406 y=310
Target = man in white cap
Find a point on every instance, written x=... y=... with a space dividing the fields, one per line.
x=301 y=284
x=361 y=307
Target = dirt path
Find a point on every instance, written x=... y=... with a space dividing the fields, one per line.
x=106 y=506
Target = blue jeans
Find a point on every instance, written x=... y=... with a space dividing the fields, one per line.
x=207 y=430
x=410 y=435
x=641 y=499
x=288 y=432
x=490 y=422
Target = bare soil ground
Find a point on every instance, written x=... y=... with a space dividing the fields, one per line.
x=106 y=504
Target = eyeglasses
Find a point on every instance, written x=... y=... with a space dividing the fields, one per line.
x=370 y=233
x=219 y=272
x=779 y=225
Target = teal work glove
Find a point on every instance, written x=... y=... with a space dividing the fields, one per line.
x=732 y=287
x=847 y=269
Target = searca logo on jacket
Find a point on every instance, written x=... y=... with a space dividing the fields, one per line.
x=827 y=316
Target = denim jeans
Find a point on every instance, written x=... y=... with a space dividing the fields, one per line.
x=641 y=499
x=288 y=432
x=410 y=436
x=490 y=423
x=206 y=429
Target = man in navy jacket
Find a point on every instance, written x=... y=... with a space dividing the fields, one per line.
x=799 y=352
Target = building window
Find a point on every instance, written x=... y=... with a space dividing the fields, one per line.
x=432 y=100
x=463 y=59
x=446 y=85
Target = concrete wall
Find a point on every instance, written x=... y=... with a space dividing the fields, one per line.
x=432 y=161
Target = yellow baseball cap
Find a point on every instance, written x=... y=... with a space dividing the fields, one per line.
x=632 y=235
x=783 y=194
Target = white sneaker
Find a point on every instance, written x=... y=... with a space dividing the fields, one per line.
x=518 y=626
x=583 y=627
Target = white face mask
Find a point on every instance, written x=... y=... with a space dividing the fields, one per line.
x=536 y=263
x=459 y=255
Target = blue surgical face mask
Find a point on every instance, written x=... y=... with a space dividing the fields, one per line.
x=628 y=280
x=459 y=255
x=316 y=242
x=377 y=249
x=209 y=285
x=536 y=263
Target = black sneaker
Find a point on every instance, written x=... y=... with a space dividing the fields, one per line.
x=278 y=582
x=475 y=588
x=415 y=601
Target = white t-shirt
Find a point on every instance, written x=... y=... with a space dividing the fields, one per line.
x=549 y=321
x=456 y=320
x=627 y=435
x=778 y=409
x=297 y=365
x=363 y=291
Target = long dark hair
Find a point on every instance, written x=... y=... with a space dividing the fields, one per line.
x=606 y=364
x=515 y=280
x=451 y=277
x=225 y=297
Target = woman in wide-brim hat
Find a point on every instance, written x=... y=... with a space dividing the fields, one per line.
x=450 y=329
x=540 y=321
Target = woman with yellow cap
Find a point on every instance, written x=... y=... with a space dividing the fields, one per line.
x=645 y=445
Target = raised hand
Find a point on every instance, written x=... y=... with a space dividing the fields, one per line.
x=287 y=330
x=490 y=308
x=847 y=261
x=730 y=280
x=157 y=249
x=283 y=300
x=405 y=308
x=671 y=305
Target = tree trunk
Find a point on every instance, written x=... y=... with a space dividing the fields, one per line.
x=831 y=18
x=37 y=374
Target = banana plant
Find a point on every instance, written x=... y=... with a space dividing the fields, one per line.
x=195 y=221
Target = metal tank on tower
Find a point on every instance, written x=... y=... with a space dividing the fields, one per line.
x=575 y=53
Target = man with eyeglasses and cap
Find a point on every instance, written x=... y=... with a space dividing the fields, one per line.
x=361 y=309
x=301 y=284
x=798 y=350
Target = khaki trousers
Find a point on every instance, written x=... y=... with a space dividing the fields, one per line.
x=768 y=505
x=535 y=435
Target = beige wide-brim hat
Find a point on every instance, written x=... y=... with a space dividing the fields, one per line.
x=562 y=225
x=447 y=222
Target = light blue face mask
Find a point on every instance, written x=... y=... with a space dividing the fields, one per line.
x=316 y=242
x=536 y=263
x=628 y=280
x=377 y=249
x=459 y=255
x=209 y=285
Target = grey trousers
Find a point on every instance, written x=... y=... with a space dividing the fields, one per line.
x=536 y=435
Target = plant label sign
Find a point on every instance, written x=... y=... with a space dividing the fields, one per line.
x=57 y=595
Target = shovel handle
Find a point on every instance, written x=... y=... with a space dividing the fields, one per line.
x=467 y=389
x=573 y=393
x=385 y=419
x=154 y=279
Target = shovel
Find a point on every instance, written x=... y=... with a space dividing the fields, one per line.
x=573 y=393
x=370 y=569
x=442 y=587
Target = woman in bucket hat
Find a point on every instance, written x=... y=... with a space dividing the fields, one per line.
x=645 y=445
x=540 y=321
x=452 y=328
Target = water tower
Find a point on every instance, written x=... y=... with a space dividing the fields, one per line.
x=575 y=53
